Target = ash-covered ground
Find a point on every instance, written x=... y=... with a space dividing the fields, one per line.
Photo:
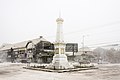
x=14 y=71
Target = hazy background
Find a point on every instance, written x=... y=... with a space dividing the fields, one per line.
x=98 y=20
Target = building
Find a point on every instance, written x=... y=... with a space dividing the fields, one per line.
x=40 y=50
x=85 y=50
x=84 y=55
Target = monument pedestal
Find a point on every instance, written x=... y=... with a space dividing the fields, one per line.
x=60 y=62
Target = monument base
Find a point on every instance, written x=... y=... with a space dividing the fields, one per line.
x=60 y=62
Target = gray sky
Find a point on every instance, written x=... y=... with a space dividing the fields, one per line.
x=98 y=20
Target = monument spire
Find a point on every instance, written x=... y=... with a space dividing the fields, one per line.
x=59 y=14
x=60 y=59
x=59 y=34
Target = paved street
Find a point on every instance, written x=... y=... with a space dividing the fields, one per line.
x=16 y=72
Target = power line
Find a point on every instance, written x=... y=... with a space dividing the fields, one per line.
x=107 y=45
x=101 y=26
x=104 y=43
x=104 y=46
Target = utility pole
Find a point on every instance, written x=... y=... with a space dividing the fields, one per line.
x=83 y=43
x=73 y=50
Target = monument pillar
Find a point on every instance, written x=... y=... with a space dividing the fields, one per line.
x=60 y=59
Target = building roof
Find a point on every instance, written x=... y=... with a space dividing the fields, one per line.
x=21 y=44
x=5 y=47
x=84 y=49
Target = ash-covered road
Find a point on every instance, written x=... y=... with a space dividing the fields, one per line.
x=16 y=72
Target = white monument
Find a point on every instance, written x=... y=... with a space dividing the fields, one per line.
x=60 y=59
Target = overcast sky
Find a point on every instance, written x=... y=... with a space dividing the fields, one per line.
x=98 y=20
